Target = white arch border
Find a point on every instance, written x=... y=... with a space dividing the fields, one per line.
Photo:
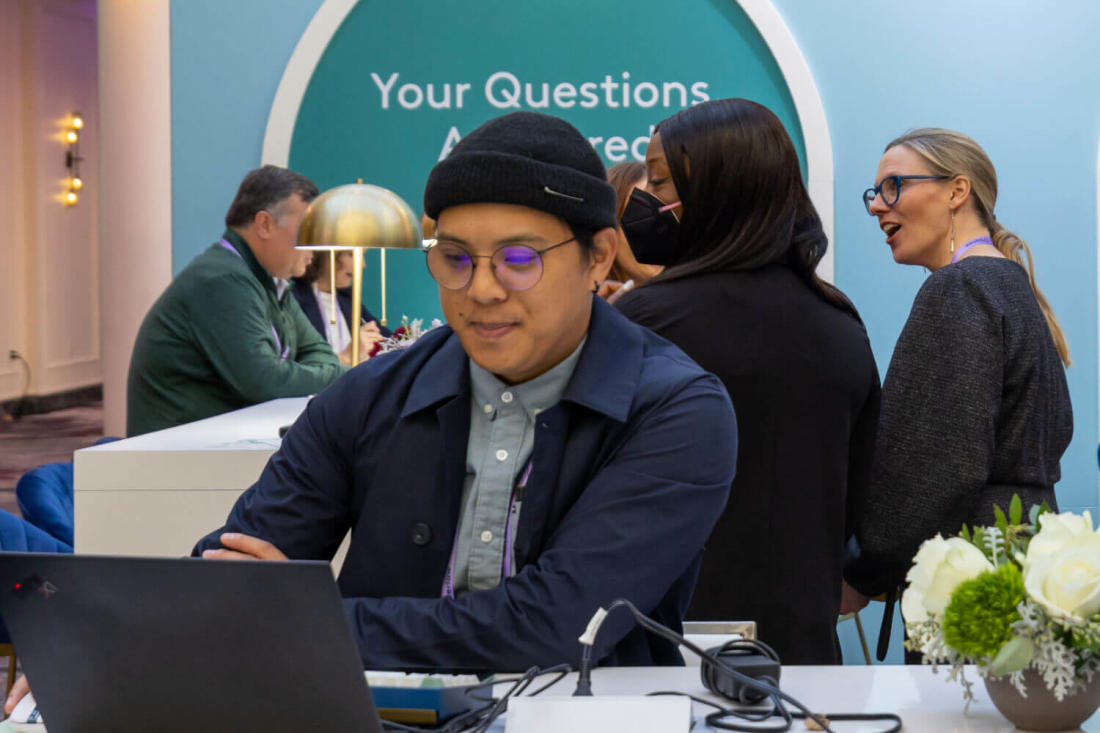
x=762 y=13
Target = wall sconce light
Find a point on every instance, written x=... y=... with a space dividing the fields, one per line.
x=72 y=158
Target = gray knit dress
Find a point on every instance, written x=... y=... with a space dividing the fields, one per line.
x=975 y=408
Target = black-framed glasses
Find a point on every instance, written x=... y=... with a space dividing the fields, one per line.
x=515 y=266
x=890 y=189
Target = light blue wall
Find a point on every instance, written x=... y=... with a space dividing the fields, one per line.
x=227 y=59
x=1019 y=76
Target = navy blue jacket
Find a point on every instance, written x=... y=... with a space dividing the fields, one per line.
x=303 y=292
x=631 y=469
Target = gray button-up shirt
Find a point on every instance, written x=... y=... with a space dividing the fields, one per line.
x=502 y=436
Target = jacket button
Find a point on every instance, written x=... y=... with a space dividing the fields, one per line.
x=421 y=534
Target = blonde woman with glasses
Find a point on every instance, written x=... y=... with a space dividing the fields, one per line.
x=975 y=406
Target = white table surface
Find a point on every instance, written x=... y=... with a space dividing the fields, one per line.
x=156 y=494
x=924 y=700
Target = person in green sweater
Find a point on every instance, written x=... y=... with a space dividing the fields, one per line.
x=228 y=333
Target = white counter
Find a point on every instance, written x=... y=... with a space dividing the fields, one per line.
x=924 y=700
x=157 y=494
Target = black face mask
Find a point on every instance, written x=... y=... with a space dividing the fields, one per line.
x=651 y=228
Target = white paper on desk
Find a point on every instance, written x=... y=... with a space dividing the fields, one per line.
x=26 y=711
x=635 y=713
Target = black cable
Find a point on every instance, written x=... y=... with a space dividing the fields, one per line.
x=712 y=664
x=479 y=719
x=665 y=633
x=20 y=406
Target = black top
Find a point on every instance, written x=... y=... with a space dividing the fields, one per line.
x=975 y=408
x=805 y=389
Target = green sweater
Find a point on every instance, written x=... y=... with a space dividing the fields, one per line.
x=209 y=344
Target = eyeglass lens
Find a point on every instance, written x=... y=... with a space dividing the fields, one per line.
x=516 y=266
x=888 y=189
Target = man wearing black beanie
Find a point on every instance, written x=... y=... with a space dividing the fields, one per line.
x=510 y=473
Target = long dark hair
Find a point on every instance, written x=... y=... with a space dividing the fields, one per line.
x=744 y=203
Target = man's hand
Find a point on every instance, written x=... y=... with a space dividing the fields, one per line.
x=243 y=547
x=18 y=691
x=851 y=600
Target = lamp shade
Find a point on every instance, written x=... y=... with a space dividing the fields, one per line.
x=361 y=216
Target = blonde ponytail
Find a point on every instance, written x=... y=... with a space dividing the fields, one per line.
x=1014 y=249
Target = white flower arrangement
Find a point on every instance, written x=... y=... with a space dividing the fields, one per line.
x=1010 y=597
x=406 y=334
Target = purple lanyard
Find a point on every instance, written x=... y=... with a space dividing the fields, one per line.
x=283 y=352
x=969 y=245
x=514 y=502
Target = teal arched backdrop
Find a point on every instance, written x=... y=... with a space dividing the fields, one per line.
x=399 y=83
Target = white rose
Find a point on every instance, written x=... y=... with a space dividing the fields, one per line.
x=938 y=568
x=1055 y=529
x=1065 y=579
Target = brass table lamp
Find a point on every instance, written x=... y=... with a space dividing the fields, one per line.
x=357 y=217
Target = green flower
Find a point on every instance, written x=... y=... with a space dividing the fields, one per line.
x=978 y=618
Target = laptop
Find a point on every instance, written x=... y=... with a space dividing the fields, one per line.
x=129 y=644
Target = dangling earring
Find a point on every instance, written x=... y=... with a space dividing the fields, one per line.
x=952 y=232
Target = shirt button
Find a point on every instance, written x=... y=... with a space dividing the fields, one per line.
x=487 y=409
x=502 y=455
x=486 y=536
x=506 y=397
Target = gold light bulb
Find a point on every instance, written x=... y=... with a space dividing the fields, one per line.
x=70 y=197
x=78 y=121
x=77 y=183
x=71 y=136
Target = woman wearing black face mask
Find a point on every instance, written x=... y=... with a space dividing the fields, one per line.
x=726 y=211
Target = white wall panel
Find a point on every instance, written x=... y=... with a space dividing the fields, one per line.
x=49 y=252
x=12 y=230
x=135 y=180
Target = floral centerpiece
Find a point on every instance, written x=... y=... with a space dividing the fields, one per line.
x=1016 y=599
x=405 y=335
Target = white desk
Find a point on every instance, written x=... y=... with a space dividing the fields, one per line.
x=158 y=493
x=925 y=702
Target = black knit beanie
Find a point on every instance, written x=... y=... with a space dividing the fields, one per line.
x=528 y=159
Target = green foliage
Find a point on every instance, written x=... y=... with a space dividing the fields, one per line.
x=1015 y=509
x=1015 y=534
x=1015 y=655
x=980 y=614
x=1086 y=636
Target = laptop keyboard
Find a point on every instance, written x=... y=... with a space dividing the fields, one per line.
x=414 y=679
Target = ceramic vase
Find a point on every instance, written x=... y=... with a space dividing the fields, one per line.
x=1040 y=710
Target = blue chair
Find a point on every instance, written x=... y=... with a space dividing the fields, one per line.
x=45 y=496
x=18 y=535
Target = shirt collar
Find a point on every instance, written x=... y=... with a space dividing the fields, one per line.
x=605 y=377
x=610 y=366
x=534 y=395
x=242 y=249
